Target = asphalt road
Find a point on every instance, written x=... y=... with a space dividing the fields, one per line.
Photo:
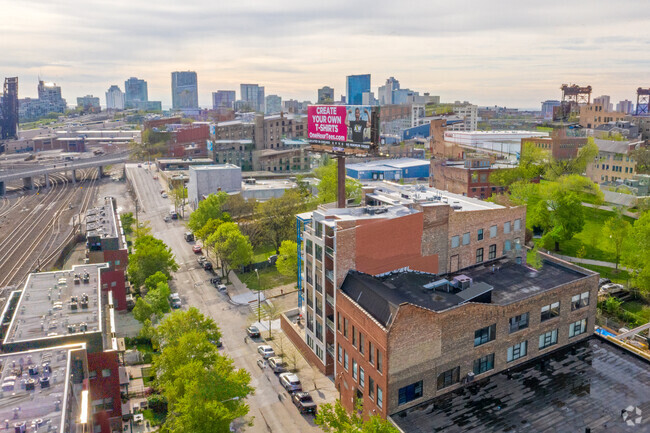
x=192 y=283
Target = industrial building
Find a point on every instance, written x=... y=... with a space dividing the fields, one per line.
x=400 y=227
x=210 y=179
x=560 y=145
x=507 y=142
x=469 y=177
x=409 y=337
x=389 y=169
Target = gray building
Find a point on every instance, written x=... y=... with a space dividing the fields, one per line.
x=88 y=102
x=325 y=95
x=223 y=99
x=49 y=101
x=114 y=98
x=253 y=96
x=185 y=92
x=210 y=179
x=135 y=90
x=273 y=104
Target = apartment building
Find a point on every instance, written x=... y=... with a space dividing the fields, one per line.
x=407 y=337
x=400 y=227
x=614 y=161
x=559 y=145
x=470 y=178
x=593 y=115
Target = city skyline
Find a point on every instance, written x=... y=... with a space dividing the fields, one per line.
x=514 y=55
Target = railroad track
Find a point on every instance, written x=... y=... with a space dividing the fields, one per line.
x=33 y=230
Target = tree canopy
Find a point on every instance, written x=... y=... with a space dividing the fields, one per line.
x=328 y=185
x=636 y=255
x=210 y=208
x=127 y=222
x=335 y=419
x=288 y=258
x=277 y=216
x=231 y=247
x=151 y=255
x=615 y=234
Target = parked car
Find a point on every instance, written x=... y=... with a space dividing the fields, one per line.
x=139 y=165
x=253 y=332
x=261 y=363
x=215 y=281
x=201 y=260
x=277 y=365
x=266 y=351
x=189 y=236
x=222 y=287
x=167 y=218
x=217 y=343
x=612 y=288
x=175 y=300
x=603 y=281
x=207 y=265
x=304 y=402
x=163 y=195
x=290 y=382
x=196 y=249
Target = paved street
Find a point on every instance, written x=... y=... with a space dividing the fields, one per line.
x=192 y=282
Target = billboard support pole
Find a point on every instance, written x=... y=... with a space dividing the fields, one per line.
x=341 y=181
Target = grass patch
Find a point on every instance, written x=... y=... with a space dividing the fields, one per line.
x=619 y=277
x=591 y=237
x=263 y=252
x=148 y=375
x=269 y=278
x=639 y=309
x=154 y=418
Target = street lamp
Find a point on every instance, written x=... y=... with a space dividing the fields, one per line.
x=259 y=287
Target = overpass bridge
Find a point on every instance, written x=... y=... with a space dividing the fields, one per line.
x=36 y=170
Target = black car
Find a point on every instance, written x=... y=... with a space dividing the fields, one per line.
x=215 y=281
x=253 y=332
x=304 y=402
x=207 y=266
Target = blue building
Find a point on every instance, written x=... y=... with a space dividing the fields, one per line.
x=422 y=131
x=356 y=85
x=389 y=169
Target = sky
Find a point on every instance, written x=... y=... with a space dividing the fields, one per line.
x=506 y=53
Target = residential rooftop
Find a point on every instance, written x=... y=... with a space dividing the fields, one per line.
x=500 y=283
x=391 y=193
x=395 y=163
x=213 y=167
x=101 y=221
x=587 y=385
x=54 y=305
x=41 y=389
x=329 y=216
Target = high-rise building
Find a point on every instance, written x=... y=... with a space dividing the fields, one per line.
x=356 y=86
x=625 y=107
x=385 y=92
x=89 y=103
x=114 y=98
x=273 y=104
x=253 y=96
x=604 y=101
x=49 y=101
x=135 y=90
x=223 y=99
x=185 y=93
x=547 y=108
x=325 y=95
x=9 y=109
x=49 y=92
x=368 y=98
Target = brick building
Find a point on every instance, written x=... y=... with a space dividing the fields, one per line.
x=614 y=161
x=401 y=227
x=408 y=337
x=189 y=140
x=470 y=178
x=593 y=115
x=105 y=390
x=560 y=145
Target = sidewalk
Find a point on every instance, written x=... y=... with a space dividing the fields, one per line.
x=611 y=209
x=239 y=293
x=589 y=261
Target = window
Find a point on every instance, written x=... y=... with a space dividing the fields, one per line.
x=466 y=239
x=518 y=224
x=493 y=252
x=371 y=388
x=354 y=336
x=117 y=263
x=518 y=323
x=361 y=343
x=484 y=363
x=345 y=328
x=448 y=378
x=354 y=369
x=319 y=352
x=507 y=246
x=379 y=361
x=106 y=372
x=577 y=328
x=579 y=301
x=454 y=242
x=319 y=252
x=92 y=374
x=506 y=227
x=310 y=342
x=319 y=330
x=410 y=393
x=380 y=396
x=97 y=428
x=319 y=307
x=102 y=405
x=113 y=283
x=479 y=255
x=483 y=335
x=362 y=377
x=493 y=231
x=517 y=351
x=548 y=339
x=345 y=360
x=371 y=353
x=550 y=311
x=340 y=354
x=338 y=321
x=479 y=237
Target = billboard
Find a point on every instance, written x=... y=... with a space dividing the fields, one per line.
x=343 y=126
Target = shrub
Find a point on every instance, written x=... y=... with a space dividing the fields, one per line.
x=158 y=403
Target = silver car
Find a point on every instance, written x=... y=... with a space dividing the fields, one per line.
x=290 y=382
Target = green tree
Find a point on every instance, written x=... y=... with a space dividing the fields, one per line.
x=278 y=216
x=158 y=298
x=335 y=419
x=179 y=195
x=287 y=262
x=328 y=185
x=532 y=162
x=127 y=220
x=151 y=255
x=642 y=157
x=181 y=322
x=231 y=247
x=615 y=233
x=561 y=216
x=586 y=154
x=152 y=281
x=238 y=207
x=210 y=208
x=636 y=253
x=142 y=311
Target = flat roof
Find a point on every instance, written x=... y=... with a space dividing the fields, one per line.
x=183 y=161
x=364 y=212
x=101 y=221
x=507 y=282
x=587 y=385
x=394 y=193
x=49 y=406
x=214 y=167
x=46 y=308
x=397 y=163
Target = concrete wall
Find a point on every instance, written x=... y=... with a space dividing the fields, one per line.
x=205 y=181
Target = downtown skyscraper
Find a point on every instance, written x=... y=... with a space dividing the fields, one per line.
x=185 y=92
